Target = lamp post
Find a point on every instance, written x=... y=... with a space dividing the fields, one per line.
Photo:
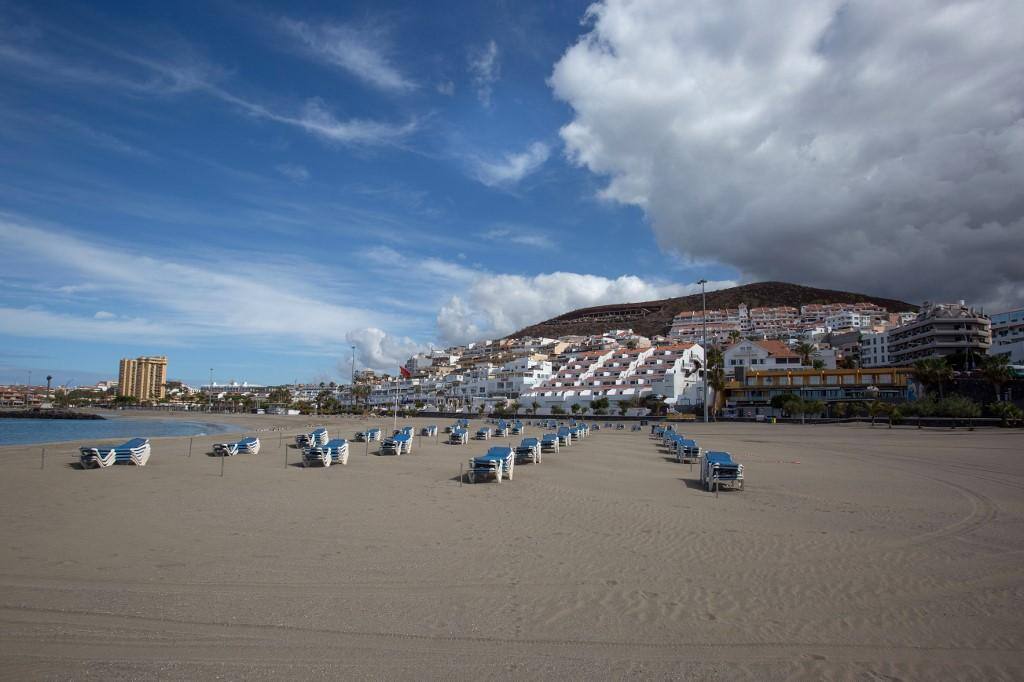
x=210 y=395
x=704 y=343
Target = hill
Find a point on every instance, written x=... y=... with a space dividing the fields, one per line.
x=655 y=317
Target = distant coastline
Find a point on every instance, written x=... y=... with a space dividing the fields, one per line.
x=46 y=414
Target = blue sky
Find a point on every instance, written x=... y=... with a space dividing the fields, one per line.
x=256 y=188
x=324 y=152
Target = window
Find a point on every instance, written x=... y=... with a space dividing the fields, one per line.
x=814 y=380
x=798 y=381
x=832 y=379
x=849 y=379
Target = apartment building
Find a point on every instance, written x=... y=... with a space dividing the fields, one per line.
x=874 y=349
x=759 y=355
x=1008 y=335
x=143 y=378
x=940 y=330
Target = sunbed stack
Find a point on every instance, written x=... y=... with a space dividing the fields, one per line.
x=528 y=451
x=498 y=463
x=687 y=450
x=334 y=451
x=718 y=469
x=458 y=436
x=549 y=442
x=517 y=428
x=135 y=451
x=501 y=429
x=398 y=444
x=429 y=431
x=564 y=436
x=317 y=436
x=249 y=445
x=483 y=433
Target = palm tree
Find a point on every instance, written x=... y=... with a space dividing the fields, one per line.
x=932 y=373
x=804 y=350
x=534 y=406
x=734 y=336
x=513 y=408
x=997 y=371
x=575 y=408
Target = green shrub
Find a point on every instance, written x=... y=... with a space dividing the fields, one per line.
x=1009 y=413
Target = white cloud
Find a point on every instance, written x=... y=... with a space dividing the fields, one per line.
x=182 y=74
x=376 y=349
x=358 y=51
x=446 y=88
x=186 y=299
x=496 y=305
x=293 y=171
x=485 y=69
x=520 y=236
x=870 y=146
x=511 y=168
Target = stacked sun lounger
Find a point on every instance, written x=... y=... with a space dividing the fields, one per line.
x=407 y=430
x=399 y=444
x=528 y=451
x=595 y=427
x=247 y=446
x=135 y=451
x=498 y=463
x=620 y=427
x=564 y=436
x=317 y=436
x=429 y=431
x=719 y=470
x=687 y=450
x=637 y=427
x=517 y=428
x=501 y=429
x=549 y=442
x=334 y=451
x=483 y=433
x=458 y=436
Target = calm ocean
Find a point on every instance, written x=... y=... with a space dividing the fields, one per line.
x=23 y=431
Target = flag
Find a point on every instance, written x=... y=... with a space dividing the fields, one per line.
x=406 y=374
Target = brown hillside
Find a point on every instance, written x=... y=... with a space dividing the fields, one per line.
x=655 y=317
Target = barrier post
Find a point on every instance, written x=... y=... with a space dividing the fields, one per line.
x=460 y=474
x=189 y=447
x=222 y=458
x=42 y=459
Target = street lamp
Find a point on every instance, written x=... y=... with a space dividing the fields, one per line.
x=704 y=343
x=210 y=394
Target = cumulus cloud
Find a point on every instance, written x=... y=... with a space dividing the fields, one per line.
x=376 y=349
x=358 y=51
x=485 y=69
x=496 y=305
x=872 y=145
x=512 y=167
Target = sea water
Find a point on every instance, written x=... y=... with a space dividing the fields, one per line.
x=24 y=431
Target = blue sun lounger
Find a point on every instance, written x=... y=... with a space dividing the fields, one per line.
x=398 y=444
x=718 y=469
x=529 y=450
x=458 y=436
x=549 y=442
x=135 y=451
x=687 y=450
x=247 y=446
x=564 y=436
x=498 y=463
x=429 y=431
x=483 y=433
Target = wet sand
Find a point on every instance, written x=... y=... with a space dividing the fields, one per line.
x=853 y=552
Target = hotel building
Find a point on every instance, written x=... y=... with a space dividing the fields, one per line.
x=143 y=378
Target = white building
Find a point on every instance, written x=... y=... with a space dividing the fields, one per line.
x=769 y=354
x=1008 y=335
x=874 y=349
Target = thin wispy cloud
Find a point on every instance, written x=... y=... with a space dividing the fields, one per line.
x=357 y=51
x=520 y=236
x=512 y=167
x=484 y=70
x=188 y=299
x=168 y=77
x=293 y=172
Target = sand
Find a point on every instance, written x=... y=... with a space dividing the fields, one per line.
x=854 y=552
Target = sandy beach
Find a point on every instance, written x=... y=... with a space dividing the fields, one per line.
x=853 y=552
